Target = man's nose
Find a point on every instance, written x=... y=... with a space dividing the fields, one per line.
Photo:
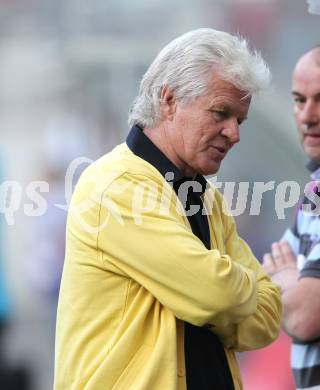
x=231 y=131
x=310 y=113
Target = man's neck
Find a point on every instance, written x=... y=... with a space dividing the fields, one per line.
x=159 y=136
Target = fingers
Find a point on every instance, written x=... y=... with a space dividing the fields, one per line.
x=287 y=253
x=281 y=257
x=282 y=254
x=276 y=252
x=268 y=264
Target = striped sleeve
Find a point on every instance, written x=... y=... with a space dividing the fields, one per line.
x=311 y=269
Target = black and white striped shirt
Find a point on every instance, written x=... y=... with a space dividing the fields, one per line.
x=304 y=238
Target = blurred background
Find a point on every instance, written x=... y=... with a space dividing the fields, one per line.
x=68 y=74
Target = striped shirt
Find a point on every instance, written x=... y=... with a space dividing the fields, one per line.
x=304 y=238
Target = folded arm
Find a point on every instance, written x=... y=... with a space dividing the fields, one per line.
x=263 y=325
x=159 y=251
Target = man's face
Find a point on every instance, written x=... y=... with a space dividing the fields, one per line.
x=204 y=130
x=306 y=93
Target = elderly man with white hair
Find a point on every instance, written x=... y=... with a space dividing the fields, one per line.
x=158 y=290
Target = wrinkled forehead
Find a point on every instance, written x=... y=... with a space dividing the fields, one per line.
x=219 y=79
x=225 y=96
x=220 y=86
x=245 y=97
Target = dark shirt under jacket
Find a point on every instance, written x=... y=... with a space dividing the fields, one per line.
x=206 y=363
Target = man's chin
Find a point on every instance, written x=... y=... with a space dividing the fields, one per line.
x=312 y=152
x=211 y=170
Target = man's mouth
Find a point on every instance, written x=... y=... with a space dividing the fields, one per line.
x=222 y=150
x=311 y=138
x=311 y=135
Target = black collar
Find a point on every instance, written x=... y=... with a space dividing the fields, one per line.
x=144 y=148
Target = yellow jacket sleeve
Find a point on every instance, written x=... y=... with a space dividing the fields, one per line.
x=261 y=327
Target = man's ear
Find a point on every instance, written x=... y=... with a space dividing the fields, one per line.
x=167 y=102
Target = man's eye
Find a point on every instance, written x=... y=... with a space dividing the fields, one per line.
x=221 y=115
x=299 y=100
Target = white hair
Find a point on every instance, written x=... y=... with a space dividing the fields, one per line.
x=185 y=65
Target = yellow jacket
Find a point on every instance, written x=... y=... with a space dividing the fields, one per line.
x=134 y=271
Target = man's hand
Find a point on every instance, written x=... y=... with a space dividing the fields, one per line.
x=300 y=308
x=281 y=265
